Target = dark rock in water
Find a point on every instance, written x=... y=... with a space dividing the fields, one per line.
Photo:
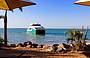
x=64 y=46
x=55 y=47
x=20 y=45
x=13 y=45
x=25 y=44
x=29 y=42
x=41 y=46
x=34 y=45
x=60 y=47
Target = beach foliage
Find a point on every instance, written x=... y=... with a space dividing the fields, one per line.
x=1 y=41
x=77 y=37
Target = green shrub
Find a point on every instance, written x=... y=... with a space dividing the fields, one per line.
x=1 y=41
x=77 y=38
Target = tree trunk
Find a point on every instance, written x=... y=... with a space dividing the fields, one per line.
x=5 y=29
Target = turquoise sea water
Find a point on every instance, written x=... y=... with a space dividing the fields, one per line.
x=19 y=35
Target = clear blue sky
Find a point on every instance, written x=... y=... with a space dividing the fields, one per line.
x=51 y=14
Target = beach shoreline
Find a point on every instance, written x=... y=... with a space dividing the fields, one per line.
x=44 y=52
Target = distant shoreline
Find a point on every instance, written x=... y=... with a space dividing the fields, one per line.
x=46 y=28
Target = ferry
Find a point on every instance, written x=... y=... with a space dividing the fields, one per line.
x=36 y=29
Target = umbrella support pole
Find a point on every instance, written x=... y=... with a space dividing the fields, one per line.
x=5 y=29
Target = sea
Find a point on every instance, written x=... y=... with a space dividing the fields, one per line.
x=52 y=36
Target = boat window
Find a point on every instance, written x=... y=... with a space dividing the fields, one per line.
x=36 y=25
x=36 y=28
x=30 y=28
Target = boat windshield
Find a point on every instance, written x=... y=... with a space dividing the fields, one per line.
x=36 y=25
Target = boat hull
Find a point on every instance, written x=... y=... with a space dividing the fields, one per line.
x=37 y=32
x=40 y=32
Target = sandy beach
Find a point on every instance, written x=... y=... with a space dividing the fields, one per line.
x=39 y=53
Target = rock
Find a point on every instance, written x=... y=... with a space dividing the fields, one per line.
x=29 y=42
x=20 y=45
x=25 y=44
x=12 y=45
x=34 y=45
x=55 y=47
x=65 y=46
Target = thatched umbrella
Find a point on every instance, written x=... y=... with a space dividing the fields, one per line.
x=83 y=2
x=10 y=5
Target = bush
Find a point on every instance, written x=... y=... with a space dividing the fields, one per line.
x=77 y=38
x=1 y=42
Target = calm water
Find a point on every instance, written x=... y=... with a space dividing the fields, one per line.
x=17 y=35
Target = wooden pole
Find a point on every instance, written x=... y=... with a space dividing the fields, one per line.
x=5 y=28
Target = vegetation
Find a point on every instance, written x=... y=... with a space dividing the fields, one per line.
x=1 y=41
x=77 y=37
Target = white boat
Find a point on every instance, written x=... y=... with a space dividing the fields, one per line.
x=36 y=29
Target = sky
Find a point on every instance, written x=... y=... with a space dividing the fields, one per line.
x=50 y=14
